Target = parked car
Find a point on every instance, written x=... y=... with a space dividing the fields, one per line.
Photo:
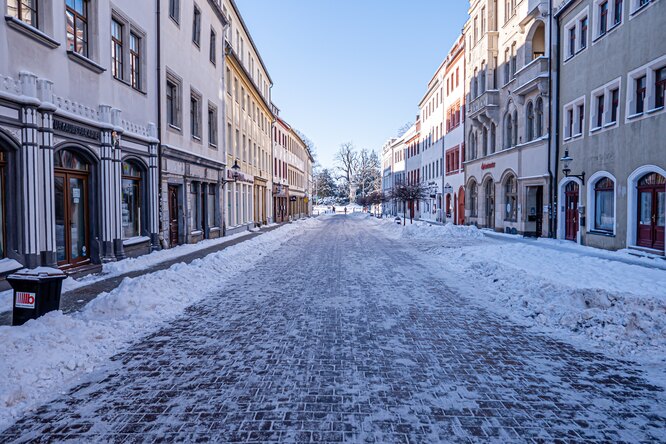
x=397 y=220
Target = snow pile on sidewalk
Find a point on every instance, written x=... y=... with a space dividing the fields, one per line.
x=43 y=357
x=614 y=306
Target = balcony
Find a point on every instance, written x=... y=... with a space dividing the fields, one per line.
x=487 y=103
x=533 y=76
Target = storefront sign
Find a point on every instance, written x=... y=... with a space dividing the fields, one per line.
x=487 y=166
x=66 y=127
x=24 y=300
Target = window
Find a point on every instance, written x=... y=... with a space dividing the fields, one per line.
x=507 y=67
x=603 y=18
x=174 y=10
x=514 y=59
x=195 y=115
x=539 y=118
x=510 y=197
x=572 y=42
x=600 y=111
x=135 y=61
x=483 y=21
x=212 y=50
x=228 y=81
x=117 y=49
x=76 y=12
x=581 y=118
x=530 y=121
x=640 y=94
x=24 y=10
x=173 y=100
x=472 y=199
x=660 y=87
x=615 y=104
x=212 y=125
x=583 y=33
x=617 y=12
x=509 y=131
x=575 y=117
x=131 y=200
x=570 y=121
x=210 y=206
x=604 y=205
x=196 y=27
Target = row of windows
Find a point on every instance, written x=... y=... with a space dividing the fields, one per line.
x=454 y=160
x=509 y=189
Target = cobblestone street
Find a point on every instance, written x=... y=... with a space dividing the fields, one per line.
x=343 y=335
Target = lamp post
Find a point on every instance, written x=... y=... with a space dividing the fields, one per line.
x=234 y=176
x=566 y=167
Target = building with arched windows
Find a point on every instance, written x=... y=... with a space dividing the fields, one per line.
x=78 y=142
x=612 y=125
x=507 y=158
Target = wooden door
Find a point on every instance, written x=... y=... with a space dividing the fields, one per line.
x=461 y=206
x=173 y=215
x=651 y=211
x=571 y=212
x=490 y=204
x=71 y=210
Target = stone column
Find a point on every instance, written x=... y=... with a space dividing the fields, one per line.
x=30 y=173
x=117 y=185
x=48 y=241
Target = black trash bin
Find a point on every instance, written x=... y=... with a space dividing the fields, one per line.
x=36 y=292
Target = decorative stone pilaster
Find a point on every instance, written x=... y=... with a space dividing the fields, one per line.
x=47 y=200
x=108 y=190
x=117 y=184
x=30 y=171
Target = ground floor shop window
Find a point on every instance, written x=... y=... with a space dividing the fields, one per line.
x=3 y=192
x=238 y=211
x=473 y=200
x=210 y=206
x=131 y=201
x=604 y=205
x=510 y=197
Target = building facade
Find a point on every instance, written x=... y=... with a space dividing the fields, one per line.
x=78 y=137
x=507 y=167
x=611 y=124
x=248 y=122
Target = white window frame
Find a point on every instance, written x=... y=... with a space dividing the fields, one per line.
x=649 y=71
x=606 y=91
x=592 y=203
x=636 y=9
x=574 y=105
x=610 y=22
x=575 y=24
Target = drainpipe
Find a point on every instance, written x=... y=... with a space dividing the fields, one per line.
x=552 y=220
x=159 y=118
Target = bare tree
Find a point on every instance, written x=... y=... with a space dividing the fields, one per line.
x=346 y=160
x=409 y=194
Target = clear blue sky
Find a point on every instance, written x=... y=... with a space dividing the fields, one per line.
x=351 y=70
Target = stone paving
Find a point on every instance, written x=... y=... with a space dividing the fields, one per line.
x=345 y=336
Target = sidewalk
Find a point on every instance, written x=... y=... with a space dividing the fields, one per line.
x=630 y=258
x=75 y=299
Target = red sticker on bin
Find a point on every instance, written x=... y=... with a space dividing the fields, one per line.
x=25 y=300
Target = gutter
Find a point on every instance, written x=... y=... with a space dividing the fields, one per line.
x=556 y=133
x=552 y=213
x=159 y=116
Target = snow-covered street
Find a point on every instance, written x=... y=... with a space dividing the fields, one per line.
x=352 y=331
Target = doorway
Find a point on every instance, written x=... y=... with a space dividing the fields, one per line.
x=651 y=211
x=173 y=215
x=571 y=212
x=534 y=223
x=71 y=209
x=461 y=206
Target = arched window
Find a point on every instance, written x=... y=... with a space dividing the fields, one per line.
x=472 y=199
x=530 y=121
x=539 y=117
x=69 y=160
x=493 y=132
x=604 y=204
x=131 y=200
x=510 y=198
x=508 y=131
x=484 y=141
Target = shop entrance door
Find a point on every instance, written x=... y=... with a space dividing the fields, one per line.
x=490 y=204
x=173 y=215
x=651 y=211
x=71 y=211
x=571 y=215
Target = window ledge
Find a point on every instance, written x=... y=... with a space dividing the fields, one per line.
x=634 y=116
x=601 y=233
x=196 y=139
x=214 y=229
x=174 y=127
x=596 y=129
x=31 y=32
x=639 y=9
x=136 y=240
x=85 y=62
x=196 y=233
x=212 y=146
x=655 y=110
x=610 y=124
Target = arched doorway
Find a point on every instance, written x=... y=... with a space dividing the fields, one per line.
x=461 y=206
x=651 y=211
x=489 y=189
x=132 y=198
x=71 y=178
x=571 y=212
x=3 y=203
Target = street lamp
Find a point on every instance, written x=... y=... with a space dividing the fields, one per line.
x=566 y=169
x=235 y=175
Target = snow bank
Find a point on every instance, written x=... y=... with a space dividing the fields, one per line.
x=45 y=356
x=573 y=293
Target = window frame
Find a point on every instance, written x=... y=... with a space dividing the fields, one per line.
x=83 y=17
x=196 y=115
x=138 y=184
x=177 y=106
x=213 y=131
x=117 y=51
x=34 y=19
x=196 y=26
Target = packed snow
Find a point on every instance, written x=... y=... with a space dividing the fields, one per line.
x=45 y=356
x=596 y=300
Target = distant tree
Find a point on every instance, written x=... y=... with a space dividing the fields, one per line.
x=377 y=198
x=309 y=144
x=404 y=128
x=325 y=185
x=409 y=194
x=368 y=175
x=347 y=163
